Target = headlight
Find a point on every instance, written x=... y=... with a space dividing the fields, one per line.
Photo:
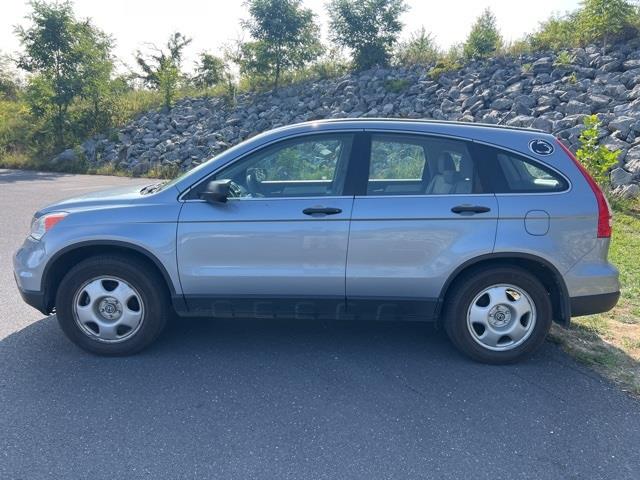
x=41 y=225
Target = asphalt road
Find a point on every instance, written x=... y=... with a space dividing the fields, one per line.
x=257 y=399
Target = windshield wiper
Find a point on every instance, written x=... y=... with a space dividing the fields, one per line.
x=154 y=187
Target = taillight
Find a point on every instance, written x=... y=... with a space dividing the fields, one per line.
x=604 y=210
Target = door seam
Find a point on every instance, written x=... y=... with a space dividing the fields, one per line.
x=346 y=258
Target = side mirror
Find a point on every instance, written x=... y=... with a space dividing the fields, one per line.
x=217 y=191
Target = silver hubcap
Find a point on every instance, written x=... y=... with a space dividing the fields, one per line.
x=108 y=309
x=501 y=317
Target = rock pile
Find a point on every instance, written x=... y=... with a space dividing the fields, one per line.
x=544 y=91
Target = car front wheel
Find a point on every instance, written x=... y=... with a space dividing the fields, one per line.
x=112 y=305
x=499 y=315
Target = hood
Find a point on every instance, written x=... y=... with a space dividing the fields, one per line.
x=104 y=198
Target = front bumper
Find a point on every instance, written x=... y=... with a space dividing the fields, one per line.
x=35 y=299
x=592 y=304
x=28 y=265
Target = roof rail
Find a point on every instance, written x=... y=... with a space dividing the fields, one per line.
x=429 y=121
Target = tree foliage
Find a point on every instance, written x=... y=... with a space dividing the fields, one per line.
x=484 y=40
x=602 y=20
x=283 y=36
x=210 y=71
x=68 y=59
x=369 y=28
x=10 y=83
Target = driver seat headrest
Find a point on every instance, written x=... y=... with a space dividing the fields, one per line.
x=446 y=163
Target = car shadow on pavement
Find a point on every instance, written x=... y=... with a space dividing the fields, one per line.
x=291 y=399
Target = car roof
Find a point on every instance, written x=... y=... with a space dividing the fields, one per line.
x=474 y=131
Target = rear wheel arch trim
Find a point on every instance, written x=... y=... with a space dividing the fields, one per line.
x=564 y=304
x=108 y=243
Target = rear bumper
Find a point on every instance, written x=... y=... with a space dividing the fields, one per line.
x=592 y=304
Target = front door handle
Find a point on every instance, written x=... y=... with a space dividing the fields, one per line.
x=470 y=209
x=321 y=210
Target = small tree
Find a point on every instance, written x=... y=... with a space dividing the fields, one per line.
x=232 y=55
x=161 y=68
x=596 y=158
x=67 y=58
x=284 y=36
x=158 y=58
x=369 y=28
x=419 y=49
x=484 y=39
x=210 y=71
x=604 y=19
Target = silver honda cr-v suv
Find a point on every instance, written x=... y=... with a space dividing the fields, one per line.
x=493 y=232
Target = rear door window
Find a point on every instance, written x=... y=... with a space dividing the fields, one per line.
x=420 y=165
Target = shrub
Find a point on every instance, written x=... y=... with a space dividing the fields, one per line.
x=595 y=21
x=564 y=59
x=397 y=85
x=449 y=62
x=596 y=158
x=419 y=49
x=556 y=33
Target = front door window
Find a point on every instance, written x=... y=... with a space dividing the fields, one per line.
x=306 y=167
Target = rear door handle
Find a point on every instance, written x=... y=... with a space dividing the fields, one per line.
x=470 y=209
x=321 y=210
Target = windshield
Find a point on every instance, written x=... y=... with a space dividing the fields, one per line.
x=238 y=147
x=170 y=183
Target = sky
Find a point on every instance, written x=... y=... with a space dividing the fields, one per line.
x=211 y=23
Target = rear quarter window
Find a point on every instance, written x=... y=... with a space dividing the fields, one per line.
x=517 y=174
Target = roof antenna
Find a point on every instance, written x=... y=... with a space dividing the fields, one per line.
x=500 y=122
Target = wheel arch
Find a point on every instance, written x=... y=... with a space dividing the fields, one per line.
x=543 y=270
x=60 y=263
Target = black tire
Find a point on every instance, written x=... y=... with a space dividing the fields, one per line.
x=148 y=283
x=463 y=293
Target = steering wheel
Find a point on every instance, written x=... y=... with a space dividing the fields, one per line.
x=255 y=177
x=236 y=190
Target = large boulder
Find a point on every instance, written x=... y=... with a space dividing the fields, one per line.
x=619 y=177
x=66 y=157
x=542 y=65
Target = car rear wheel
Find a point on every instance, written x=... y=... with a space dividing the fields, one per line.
x=112 y=305
x=498 y=315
